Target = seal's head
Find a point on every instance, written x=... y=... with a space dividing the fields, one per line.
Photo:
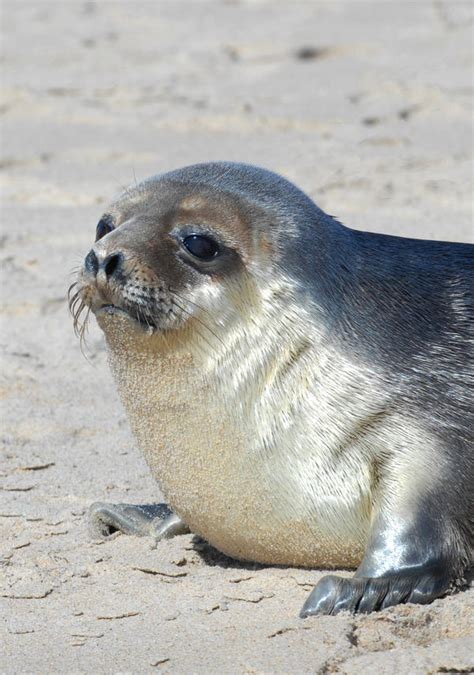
x=159 y=257
x=192 y=244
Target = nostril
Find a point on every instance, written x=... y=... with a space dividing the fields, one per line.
x=112 y=263
x=91 y=263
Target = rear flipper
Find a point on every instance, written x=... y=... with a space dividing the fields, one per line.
x=155 y=520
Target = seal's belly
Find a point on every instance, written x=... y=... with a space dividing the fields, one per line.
x=247 y=506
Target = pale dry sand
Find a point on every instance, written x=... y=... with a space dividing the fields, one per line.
x=367 y=106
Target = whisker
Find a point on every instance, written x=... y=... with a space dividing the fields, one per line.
x=83 y=334
x=75 y=301
x=72 y=301
x=124 y=188
x=73 y=285
x=79 y=259
x=203 y=309
x=72 y=298
x=77 y=315
x=196 y=328
x=193 y=316
x=77 y=305
x=183 y=309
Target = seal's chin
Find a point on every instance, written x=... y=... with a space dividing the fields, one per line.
x=108 y=312
x=124 y=332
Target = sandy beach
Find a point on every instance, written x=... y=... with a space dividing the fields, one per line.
x=367 y=106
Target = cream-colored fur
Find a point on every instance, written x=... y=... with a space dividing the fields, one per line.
x=227 y=427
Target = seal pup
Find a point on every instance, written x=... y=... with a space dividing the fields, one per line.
x=300 y=390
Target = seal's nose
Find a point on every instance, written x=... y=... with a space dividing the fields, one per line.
x=91 y=263
x=110 y=265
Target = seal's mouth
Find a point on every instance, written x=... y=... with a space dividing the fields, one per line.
x=146 y=310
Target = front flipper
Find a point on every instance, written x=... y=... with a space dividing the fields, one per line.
x=415 y=563
x=367 y=594
x=155 y=520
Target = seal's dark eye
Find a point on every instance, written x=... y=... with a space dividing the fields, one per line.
x=202 y=247
x=103 y=227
